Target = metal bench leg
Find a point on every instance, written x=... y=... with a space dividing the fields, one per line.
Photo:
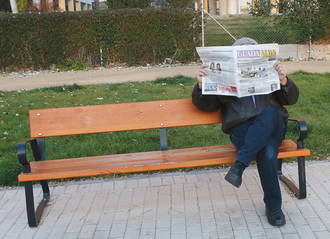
x=31 y=215
x=38 y=153
x=300 y=192
x=302 y=177
x=44 y=201
x=38 y=148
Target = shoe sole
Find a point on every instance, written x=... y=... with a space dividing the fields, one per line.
x=275 y=224
x=233 y=182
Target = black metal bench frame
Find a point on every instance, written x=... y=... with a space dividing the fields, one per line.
x=38 y=150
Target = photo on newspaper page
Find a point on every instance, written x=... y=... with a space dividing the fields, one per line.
x=240 y=70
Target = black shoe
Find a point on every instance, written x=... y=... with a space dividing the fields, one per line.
x=234 y=176
x=276 y=219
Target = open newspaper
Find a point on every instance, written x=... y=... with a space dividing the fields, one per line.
x=240 y=70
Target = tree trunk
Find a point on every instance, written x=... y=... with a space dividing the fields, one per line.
x=13 y=6
x=43 y=6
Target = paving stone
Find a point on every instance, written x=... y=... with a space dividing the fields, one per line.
x=184 y=205
x=178 y=228
x=117 y=230
x=226 y=233
x=178 y=235
x=15 y=230
x=167 y=180
x=210 y=235
x=305 y=232
x=27 y=233
x=156 y=181
x=101 y=234
x=87 y=231
x=209 y=225
x=316 y=224
x=132 y=234
x=322 y=235
x=94 y=215
x=288 y=228
x=70 y=235
x=163 y=233
x=96 y=187
x=291 y=236
x=147 y=232
x=238 y=222
x=69 y=211
x=57 y=232
x=273 y=233
x=242 y=234
x=132 y=183
x=179 y=179
x=191 y=178
x=327 y=225
x=120 y=184
x=256 y=230
x=108 y=186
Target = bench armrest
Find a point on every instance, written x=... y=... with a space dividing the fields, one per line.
x=21 y=153
x=302 y=126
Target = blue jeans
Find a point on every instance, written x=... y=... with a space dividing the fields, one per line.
x=259 y=138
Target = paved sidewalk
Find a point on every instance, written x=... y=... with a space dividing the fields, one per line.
x=196 y=204
x=15 y=81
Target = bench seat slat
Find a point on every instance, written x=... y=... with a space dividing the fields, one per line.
x=134 y=157
x=130 y=163
x=144 y=161
x=286 y=145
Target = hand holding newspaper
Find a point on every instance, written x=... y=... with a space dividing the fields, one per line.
x=240 y=70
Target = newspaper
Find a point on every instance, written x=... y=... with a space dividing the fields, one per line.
x=240 y=70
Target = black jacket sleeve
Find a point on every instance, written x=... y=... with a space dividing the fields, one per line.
x=208 y=103
x=288 y=94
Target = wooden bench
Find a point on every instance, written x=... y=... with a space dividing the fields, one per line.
x=125 y=117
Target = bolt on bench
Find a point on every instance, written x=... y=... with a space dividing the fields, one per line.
x=125 y=117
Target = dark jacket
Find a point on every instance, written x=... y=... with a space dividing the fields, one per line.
x=236 y=110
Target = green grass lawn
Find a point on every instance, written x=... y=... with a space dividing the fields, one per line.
x=313 y=106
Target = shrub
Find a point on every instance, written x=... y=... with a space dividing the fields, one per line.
x=261 y=8
x=179 y=3
x=114 y=4
x=72 y=65
x=132 y=36
x=304 y=17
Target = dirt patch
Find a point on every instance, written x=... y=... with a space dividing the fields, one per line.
x=20 y=81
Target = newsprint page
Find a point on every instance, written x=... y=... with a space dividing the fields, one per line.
x=240 y=70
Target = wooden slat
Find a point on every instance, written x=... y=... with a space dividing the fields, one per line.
x=138 y=162
x=139 y=168
x=117 y=117
x=119 y=162
x=287 y=145
x=209 y=151
x=134 y=157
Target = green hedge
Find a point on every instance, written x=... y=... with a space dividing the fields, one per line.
x=132 y=36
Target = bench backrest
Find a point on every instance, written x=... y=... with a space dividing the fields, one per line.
x=117 y=117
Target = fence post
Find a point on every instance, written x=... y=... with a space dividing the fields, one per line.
x=203 y=34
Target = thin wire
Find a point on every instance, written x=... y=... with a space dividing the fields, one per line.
x=203 y=33
x=218 y=24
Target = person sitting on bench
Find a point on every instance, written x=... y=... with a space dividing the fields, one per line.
x=257 y=126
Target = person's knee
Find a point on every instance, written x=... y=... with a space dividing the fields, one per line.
x=268 y=155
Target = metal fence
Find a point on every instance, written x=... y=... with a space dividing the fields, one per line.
x=262 y=29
